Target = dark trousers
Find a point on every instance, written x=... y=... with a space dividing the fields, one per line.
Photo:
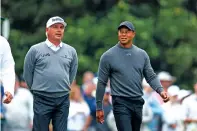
x=127 y=113
x=46 y=109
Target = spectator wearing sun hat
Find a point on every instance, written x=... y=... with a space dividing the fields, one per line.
x=166 y=79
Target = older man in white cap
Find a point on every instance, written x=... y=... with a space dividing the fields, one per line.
x=49 y=69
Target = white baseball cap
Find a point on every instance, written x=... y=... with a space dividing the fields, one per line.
x=173 y=90
x=183 y=93
x=54 y=20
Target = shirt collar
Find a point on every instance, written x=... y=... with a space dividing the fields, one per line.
x=49 y=44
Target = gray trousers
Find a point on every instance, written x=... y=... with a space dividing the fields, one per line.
x=46 y=109
x=127 y=113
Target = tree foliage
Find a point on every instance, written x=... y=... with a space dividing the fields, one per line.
x=165 y=29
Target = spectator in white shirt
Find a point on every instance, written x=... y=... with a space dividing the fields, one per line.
x=151 y=99
x=7 y=73
x=147 y=116
x=190 y=111
x=172 y=117
x=19 y=113
x=78 y=111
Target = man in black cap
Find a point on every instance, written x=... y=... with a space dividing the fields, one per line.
x=126 y=65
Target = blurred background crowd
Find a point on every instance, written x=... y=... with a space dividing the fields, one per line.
x=166 y=29
x=179 y=114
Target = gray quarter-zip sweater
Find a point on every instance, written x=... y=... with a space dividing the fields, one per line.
x=125 y=67
x=48 y=72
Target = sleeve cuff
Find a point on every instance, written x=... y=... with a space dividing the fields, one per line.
x=159 y=90
x=99 y=105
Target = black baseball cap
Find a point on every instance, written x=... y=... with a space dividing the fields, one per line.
x=127 y=24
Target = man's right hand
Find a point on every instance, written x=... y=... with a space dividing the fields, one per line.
x=165 y=96
x=8 y=97
x=100 y=116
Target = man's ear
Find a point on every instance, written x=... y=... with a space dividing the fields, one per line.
x=133 y=34
x=47 y=29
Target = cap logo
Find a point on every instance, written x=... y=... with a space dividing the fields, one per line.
x=57 y=19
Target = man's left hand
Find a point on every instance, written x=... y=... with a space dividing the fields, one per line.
x=164 y=95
